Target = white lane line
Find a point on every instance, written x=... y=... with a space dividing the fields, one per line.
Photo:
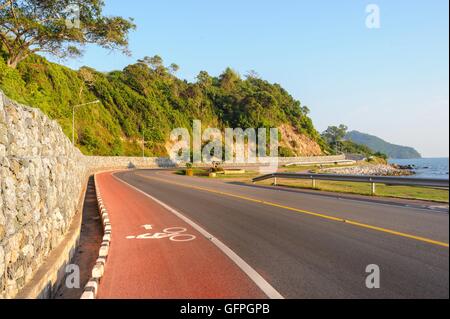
x=267 y=288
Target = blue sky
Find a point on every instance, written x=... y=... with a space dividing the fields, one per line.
x=391 y=82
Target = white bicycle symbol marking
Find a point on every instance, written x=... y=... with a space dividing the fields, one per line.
x=173 y=233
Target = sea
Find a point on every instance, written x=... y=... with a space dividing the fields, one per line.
x=426 y=167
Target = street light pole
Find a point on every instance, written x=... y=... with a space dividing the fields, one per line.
x=143 y=144
x=73 y=125
x=73 y=117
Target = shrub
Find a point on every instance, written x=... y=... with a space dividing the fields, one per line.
x=216 y=169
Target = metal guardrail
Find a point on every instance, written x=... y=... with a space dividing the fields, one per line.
x=373 y=180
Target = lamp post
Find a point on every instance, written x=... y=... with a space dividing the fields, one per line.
x=143 y=143
x=73 y=117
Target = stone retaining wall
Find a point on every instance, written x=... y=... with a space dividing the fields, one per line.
x=313 y=159
x=99 y=162
x=121 y=162
x=41 y=180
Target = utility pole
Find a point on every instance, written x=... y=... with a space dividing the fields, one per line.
x=143 y=144
x=73 y=117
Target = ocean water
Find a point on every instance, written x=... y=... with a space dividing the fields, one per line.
x=426 y=167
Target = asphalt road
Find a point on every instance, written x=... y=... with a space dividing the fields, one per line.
x=299 y=243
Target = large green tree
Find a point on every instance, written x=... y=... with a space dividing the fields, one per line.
x=58 y=27
x=334 y=135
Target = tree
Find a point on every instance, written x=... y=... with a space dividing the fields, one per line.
x=334 y=135
x=87 y=74
x=58 y=27
x=156 y=63
x=204 y=79
x=306 y=110
x=228 y=79
x=174 y=68
x=153 y=62
x=252 y=74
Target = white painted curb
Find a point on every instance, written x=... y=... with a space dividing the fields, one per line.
x=91 y=288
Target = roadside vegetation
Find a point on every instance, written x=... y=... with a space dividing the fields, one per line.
x=406 y=192
x=147 y=99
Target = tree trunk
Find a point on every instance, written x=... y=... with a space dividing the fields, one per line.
x=13 y=60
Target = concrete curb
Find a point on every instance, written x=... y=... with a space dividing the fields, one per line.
x=91 y=288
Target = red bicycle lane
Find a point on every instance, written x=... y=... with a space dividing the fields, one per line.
x=146 y=262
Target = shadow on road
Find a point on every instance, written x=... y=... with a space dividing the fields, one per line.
x=90 y=241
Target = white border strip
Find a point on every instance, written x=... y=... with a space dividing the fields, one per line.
x=270 y=291
x=91 y=288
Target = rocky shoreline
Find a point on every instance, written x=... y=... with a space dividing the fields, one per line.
x=371 y=170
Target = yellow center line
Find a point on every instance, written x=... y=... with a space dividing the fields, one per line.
x=302 y=211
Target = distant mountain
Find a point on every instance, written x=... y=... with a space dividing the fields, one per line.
x=379 y=145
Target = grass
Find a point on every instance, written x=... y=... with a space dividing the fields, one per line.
x=407 y=192
x=203 y=172
x=199 y=172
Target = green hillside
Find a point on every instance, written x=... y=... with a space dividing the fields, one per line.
x=378 y=145
x=147 y=98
